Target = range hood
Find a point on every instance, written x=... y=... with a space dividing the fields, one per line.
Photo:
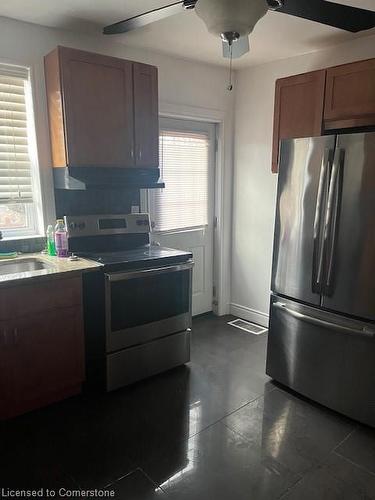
x=84 y=178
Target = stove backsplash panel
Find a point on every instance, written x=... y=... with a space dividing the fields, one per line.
x=96 y=201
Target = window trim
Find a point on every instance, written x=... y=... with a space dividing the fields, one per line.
x=32 y=228
x=190 y=229
x=188 y=125
x=34 y=209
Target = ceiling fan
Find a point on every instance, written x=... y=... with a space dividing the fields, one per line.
x=234 y=20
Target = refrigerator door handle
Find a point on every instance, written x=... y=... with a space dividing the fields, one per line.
x=326 y=324
x=318 y=252
x=333 y=224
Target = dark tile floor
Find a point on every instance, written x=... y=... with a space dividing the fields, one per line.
x=216 y=429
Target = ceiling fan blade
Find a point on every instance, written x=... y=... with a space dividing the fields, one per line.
x=333 y=14
x=239 y=48
x=147 y=18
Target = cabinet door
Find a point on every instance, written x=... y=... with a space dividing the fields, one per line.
x=299 y=102
x=146 y=115
x=6 y=369
x=350 y=95
x=47 y=355
x=98 y=104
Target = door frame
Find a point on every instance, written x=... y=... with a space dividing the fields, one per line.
x=201 y=234
x=222 y=194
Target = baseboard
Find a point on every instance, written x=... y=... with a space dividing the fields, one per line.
x=249 y=314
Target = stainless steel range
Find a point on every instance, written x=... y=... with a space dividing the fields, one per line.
x=138 y=306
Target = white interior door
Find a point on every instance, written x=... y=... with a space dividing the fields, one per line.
x=183 y=212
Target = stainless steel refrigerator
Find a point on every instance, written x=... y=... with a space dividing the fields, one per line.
x=322 y=314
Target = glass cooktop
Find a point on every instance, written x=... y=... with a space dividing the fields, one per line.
x=144 y=255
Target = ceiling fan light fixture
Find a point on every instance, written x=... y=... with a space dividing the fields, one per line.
x=231 y=16
x=189 y=4
x=230 y=37
x=275 y=4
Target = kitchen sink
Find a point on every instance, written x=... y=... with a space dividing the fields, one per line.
x=23 y=266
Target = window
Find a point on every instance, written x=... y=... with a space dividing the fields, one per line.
x=19 y=179
x=185 y=163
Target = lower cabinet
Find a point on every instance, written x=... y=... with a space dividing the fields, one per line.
x=41 y=358
x=6 y=370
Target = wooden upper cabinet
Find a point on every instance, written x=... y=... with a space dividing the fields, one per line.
x=146 y=115
x=98 y=101
x=299 y=103
x=93 y=115
x=350 y=95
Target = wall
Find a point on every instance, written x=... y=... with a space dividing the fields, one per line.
x=183 y=85
x=254 y=192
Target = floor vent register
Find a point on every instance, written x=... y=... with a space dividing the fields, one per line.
x=248 y=327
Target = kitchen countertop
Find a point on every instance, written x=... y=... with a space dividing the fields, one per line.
x=58 y=266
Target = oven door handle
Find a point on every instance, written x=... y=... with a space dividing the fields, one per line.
x=143 y=273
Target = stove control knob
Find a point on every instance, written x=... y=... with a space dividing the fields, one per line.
x=72 y=226
x=81 y=226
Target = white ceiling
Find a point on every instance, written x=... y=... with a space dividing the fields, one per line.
x=184 y=35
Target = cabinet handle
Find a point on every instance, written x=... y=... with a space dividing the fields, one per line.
x=132 y=153
x=15 y=333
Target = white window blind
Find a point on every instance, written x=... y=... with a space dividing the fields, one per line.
x=184 y=162
x=15 y=164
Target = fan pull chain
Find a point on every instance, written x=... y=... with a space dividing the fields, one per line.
x=230 y=86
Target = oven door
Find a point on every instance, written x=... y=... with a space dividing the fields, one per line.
x=147 y=304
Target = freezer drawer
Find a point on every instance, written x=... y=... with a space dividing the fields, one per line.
x=323 y=356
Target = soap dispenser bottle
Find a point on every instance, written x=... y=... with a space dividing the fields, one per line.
x=61 y=239
x=51 y=249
